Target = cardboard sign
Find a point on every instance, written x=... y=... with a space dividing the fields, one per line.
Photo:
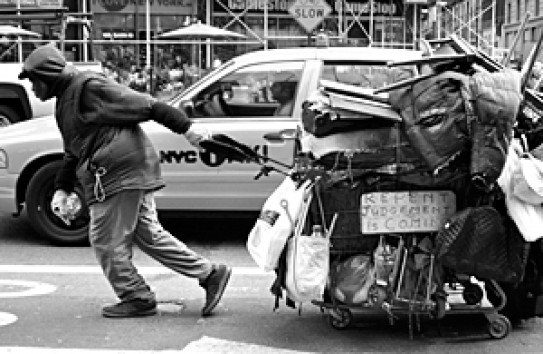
x=406 y=211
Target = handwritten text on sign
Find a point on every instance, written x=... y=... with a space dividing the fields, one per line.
x=409 y=211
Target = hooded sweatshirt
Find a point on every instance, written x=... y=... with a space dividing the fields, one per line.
x=99 y=122
x=46 y=64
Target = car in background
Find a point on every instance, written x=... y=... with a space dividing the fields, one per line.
x=235 y=99
x=17 y=100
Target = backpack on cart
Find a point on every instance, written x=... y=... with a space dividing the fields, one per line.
x=525 y=299
x=478 y=241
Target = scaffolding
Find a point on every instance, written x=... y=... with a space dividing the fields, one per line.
x=465 y=19
x=57 y=20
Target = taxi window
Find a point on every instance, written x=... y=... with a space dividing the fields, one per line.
x=364 y=75
x=260 y=90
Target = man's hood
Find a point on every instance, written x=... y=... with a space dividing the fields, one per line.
x=45 y=63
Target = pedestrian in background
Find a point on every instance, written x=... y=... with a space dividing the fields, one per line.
x=106 y=150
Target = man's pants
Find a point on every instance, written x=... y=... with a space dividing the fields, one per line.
x=130 y=217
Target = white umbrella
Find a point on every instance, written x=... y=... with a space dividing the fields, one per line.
x=6 y=30
x=201 y=31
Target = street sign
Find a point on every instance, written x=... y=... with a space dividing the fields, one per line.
x=309 y=13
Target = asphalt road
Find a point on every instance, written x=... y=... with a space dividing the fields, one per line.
x=50 y=301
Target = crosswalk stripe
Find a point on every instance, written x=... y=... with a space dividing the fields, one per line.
x=202 y=345
x=84 y=269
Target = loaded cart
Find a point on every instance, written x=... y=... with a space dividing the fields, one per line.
x=383 y=256
x=417 y=206
x=404 y=200
x=406 y=193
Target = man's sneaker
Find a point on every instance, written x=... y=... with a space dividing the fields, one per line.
x=131 y=308
x=214 y=286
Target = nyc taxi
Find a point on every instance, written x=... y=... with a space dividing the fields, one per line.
x=245 y=98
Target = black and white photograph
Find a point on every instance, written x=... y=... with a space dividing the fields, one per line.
x=271 y=176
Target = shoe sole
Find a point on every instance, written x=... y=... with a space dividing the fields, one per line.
x=222 y=287
x=149 y=312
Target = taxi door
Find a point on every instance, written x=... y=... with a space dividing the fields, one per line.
x=245 y=104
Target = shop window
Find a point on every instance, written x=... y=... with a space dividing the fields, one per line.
x=263 y=90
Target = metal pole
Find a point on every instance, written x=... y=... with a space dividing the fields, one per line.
x=438 y=10
x=520 y=32
x=19 y=45
x=137 y=32
x=85 y=33
x=208 y=41
x=147 y=34
x=266 y=27
x=493 y=28
x=340 y=20
x=415 y=27
x=391 y=24
x=371 y=22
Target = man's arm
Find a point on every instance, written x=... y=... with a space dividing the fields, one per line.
x=111 y=103
x=66 y=176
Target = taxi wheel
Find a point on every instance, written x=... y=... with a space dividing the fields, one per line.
x=38 y=204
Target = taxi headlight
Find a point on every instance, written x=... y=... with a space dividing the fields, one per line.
x=3 y=159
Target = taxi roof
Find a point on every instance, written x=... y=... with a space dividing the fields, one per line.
x=331 y=53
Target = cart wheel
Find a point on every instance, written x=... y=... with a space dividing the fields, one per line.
x=340 y=318
x=440 y=308
x=499 y=327
x=472 y=294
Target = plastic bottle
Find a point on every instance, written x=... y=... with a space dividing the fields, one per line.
x=317 y=231
x=384 y=264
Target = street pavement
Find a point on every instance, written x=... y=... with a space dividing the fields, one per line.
x=50 y=301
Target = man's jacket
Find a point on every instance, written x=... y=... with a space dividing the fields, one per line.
x=104 y=145
x=99 y=122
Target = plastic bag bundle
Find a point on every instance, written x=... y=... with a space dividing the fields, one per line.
x=276 y=223
x=308 y=259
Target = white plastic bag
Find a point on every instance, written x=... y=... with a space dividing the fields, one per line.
x=528 y=180
x=308 y=263
x=527 y=217
x=276 y=223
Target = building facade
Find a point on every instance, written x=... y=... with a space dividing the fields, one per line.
x=479 y=22
x=515 y=13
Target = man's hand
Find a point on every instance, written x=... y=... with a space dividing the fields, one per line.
x=59 y=205
x=197 y=134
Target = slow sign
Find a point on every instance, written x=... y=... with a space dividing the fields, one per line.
x=406 y=211
x=309 y=13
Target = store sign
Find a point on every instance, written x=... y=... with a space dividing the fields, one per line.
x=31 y=3
x=347 y=7
x=166 y=7
x=50 y=3
x=13 y=3
x=309 y=13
